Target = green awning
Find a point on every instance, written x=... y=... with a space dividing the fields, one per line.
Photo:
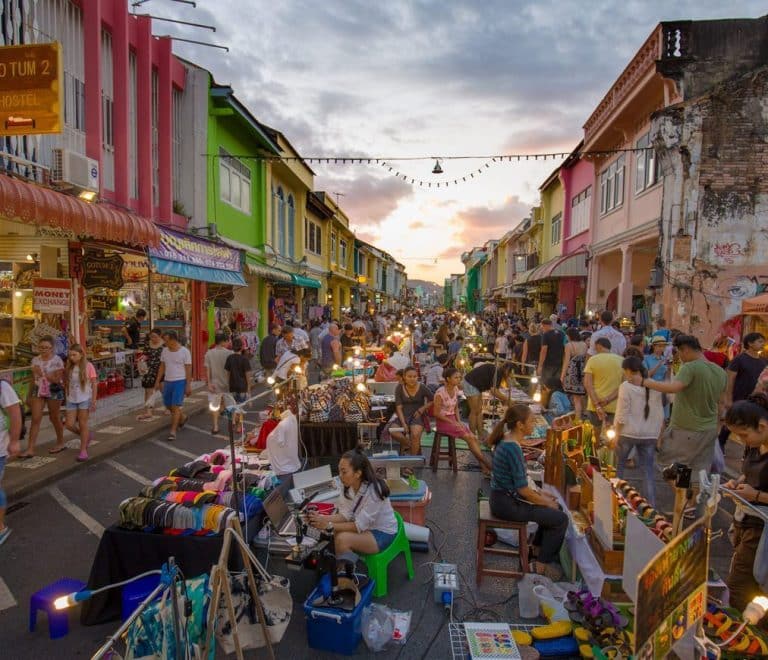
x=254 y=267
x=306 y=282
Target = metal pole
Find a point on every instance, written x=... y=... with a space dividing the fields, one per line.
x=175 y=605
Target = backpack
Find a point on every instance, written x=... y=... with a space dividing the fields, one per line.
x=22 y=435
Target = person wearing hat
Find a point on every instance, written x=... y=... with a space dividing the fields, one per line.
x=657 y=365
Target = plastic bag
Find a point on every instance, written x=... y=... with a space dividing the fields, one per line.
x=538 y=595
x=378 y=626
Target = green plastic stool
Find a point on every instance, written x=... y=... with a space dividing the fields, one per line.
x=377 y=564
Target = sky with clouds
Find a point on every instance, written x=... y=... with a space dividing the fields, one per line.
x=427 y=78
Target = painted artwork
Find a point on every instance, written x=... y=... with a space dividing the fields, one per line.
x=490 y=641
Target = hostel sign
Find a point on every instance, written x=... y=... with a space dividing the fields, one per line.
x=31 y=89
x=51 y=296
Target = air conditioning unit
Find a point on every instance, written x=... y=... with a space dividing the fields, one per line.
x=75 y=170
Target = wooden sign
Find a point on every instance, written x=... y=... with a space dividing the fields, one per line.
x=102 y=271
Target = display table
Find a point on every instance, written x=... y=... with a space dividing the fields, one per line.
x=124 y=553
x=325 y=439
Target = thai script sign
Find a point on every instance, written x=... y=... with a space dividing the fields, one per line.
x=186 y=249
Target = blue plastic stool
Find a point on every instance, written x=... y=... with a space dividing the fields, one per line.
x=135 y=592
x=58 y=620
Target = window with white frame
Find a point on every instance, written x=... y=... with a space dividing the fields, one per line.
x=580 y=211
x=291 y=227
x=234 y=182
x=343 y=253
x=557 y=228
x=281 y=242
x=647 y=165
x=313 y=237
x=333 y=247
x=612 y=186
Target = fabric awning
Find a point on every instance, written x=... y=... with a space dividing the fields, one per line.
x=306 y=282
x=258 y=269
x=570 y=265
x=523 y=276
x=756 y=305
x=35 y=205
x=199 y=273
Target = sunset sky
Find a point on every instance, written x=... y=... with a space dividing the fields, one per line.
x=431 y=78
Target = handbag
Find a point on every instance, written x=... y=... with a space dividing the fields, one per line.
x=385 y=373
x=275 y=596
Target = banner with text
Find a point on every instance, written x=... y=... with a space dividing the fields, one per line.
x=51 y=296
x=186 y=249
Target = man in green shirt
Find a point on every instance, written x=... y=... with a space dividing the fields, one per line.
x=698 y=388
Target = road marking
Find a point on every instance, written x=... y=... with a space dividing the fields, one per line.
x=7 y=601
x=128 y=472
x=114 y=430
x=167 y=445
x=93 y=526
x=197 y=429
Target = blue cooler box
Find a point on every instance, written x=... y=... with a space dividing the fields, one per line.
x=332 y=629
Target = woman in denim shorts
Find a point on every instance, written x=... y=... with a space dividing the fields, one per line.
x=47 y=390
x=81 y=381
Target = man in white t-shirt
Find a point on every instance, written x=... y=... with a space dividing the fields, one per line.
x=217 y=376
x=175 y=374
x=10 y=433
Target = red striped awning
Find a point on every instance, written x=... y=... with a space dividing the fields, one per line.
x=35 y=205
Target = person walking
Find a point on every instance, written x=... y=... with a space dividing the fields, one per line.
x=175 y=379
x=149 y=367
x=216 y=375
x=80 y=381
x=285 y=343
x=572 y=375
x=698 y=387
x=268 y=350
x=532 y=346
x=638 y=421
x=238 y=368
x=743 y=373
x=47 y=391
x=550 y=363
x=602 y=376
x=330 y=350
x=10 y=434
x=606 y=330
x=656 y=364
x=501 y=346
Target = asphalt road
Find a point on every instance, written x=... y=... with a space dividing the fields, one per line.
x=56 y=533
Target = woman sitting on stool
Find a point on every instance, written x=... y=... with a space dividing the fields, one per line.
x=513 y=499
x=366 y=522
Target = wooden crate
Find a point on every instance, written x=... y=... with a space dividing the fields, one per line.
x=611 y=561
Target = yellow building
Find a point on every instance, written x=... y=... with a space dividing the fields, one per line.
x=340 y=259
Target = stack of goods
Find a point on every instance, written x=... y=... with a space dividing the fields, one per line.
x=196 y=498
x=721 y=624
x=335 y=401
x=632 y=501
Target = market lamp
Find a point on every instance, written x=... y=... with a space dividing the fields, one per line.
x=270 y=380
x=755 y=610
x=537 y=396
x=69 y=600
x=610 y=433
x=534 y=379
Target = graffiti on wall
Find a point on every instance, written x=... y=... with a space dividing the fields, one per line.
x=730 y=252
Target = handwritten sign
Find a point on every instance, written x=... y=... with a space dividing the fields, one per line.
x=102 y=271
x=672 y=592
x=31 y=89
x=51 y=296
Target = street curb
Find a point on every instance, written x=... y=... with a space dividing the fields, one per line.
x=36 y=481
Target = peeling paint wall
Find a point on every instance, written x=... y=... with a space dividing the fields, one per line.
x=714 y=159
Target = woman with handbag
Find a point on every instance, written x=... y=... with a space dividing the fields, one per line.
x=412 y=401
x=47 y=390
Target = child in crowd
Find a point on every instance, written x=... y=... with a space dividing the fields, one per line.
x=433 y=374
x=80 y=382
x=556 y=401
x=239 y=370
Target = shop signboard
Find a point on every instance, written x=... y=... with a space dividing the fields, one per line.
x=672 y=593
x=31 y=89
x=51 y=296
x=185 y=249
x=102 y=271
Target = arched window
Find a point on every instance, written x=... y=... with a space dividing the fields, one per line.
x=291 y=227
x=273 y=228
x=281 y=233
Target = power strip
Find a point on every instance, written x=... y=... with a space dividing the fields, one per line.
x=446 y=580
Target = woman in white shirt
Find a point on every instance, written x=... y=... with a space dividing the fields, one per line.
x=638 y=422
x=366 y=522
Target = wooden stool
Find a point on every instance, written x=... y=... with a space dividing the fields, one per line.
x=437 y=452
x=486 y=521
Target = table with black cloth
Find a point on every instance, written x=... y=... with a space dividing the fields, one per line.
x=126 y=553
x=323 y=439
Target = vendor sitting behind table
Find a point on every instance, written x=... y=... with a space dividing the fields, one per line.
x=748 y=421
x=513 y=499
x=365 y=523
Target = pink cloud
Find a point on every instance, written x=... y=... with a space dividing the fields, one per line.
x=418 y=224
x=367 y=200
x=478 y=224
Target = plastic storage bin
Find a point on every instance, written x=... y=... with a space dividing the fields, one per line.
x=414 y=512
x=332 y=629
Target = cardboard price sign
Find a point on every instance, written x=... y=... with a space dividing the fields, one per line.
x=672 y=592
x=50 y=296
